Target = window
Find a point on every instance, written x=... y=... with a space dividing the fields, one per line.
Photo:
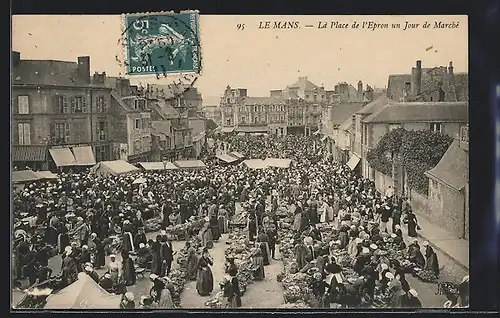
x=137 y=123
x=101 y=104
x=78 y=105
x=436 y=127
x=101 y=130
x=62 y=105
x=60 y=133
x=23 y=106
x=24 y=132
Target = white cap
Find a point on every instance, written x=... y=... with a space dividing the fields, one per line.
x=141 y=245
x=413 y=292
x=384 y=266
x=389 y=275
x=425 y=243
x=129 y=295
x=373 y=246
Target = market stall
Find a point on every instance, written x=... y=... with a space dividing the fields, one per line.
x=190 y=164
x=278 y=162
x=115 y=168
x=157 y=166
x=85 y=293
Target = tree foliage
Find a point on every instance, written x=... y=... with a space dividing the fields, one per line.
x=419 y=151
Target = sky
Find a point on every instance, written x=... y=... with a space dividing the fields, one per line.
x=261 y=59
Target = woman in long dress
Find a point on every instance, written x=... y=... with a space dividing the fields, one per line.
x=205 y=279
x=129 y=276
x=231 y=288
x=192 y=261
x=297 y=220
x=258 y=264
x=115 y=269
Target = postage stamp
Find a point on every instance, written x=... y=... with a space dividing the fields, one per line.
x=161 y=43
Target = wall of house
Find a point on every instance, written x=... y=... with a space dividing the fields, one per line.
x=447 y=206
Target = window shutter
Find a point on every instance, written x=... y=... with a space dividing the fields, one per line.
x=84 y=104
x=27 y=134
x=20 y=133
x=67 y=136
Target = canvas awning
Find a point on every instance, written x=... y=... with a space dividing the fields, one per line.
x=353 y=162
x=63 y=157
x=47 y=175
x=226 y=158
x=24 y=176
x=236 y=155
x=84 y=156
x=190 y=164
x=255 y=164
x=116 y=167
x=278 y=162
x=85 y=293
x=227 y=129
x=158 y=165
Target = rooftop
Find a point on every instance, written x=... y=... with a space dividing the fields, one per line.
x=420 y=112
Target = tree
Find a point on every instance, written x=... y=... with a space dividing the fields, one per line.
x=419 y=150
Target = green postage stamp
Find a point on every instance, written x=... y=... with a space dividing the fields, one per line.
x=161 y=43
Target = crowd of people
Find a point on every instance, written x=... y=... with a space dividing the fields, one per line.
x=80 y=215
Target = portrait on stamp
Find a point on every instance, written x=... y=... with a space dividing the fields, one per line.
x=178 y=160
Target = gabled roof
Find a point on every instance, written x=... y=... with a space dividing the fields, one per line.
x=303 y=84
x=375 y=106
x=47 y=72
x=452 y=169
x=344 y=111
x=421 y=112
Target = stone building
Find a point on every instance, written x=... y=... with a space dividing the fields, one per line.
x=55 y=104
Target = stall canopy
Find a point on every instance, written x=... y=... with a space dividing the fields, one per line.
x=353 y=162
x=63 y=157
x=24 y=176
x=226 y=158
x=84 y=156
x=236 y=155
x=255 y=164
x=158 y=165
x=190 y=164
x=47 y=175
x=278 y=163
x=85 y=293
x=116 y=167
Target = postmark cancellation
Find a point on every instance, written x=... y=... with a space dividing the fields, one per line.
x=161 y=43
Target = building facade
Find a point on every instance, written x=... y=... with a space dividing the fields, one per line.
x=55 y=104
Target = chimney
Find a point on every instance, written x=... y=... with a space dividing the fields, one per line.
x=417 y=79
x=84 y=68
x=16 y=58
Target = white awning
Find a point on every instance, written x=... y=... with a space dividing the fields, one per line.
x=62 y=157
x=353 y=162
x=226 y=158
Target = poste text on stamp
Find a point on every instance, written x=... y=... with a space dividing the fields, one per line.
x=162 y=43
